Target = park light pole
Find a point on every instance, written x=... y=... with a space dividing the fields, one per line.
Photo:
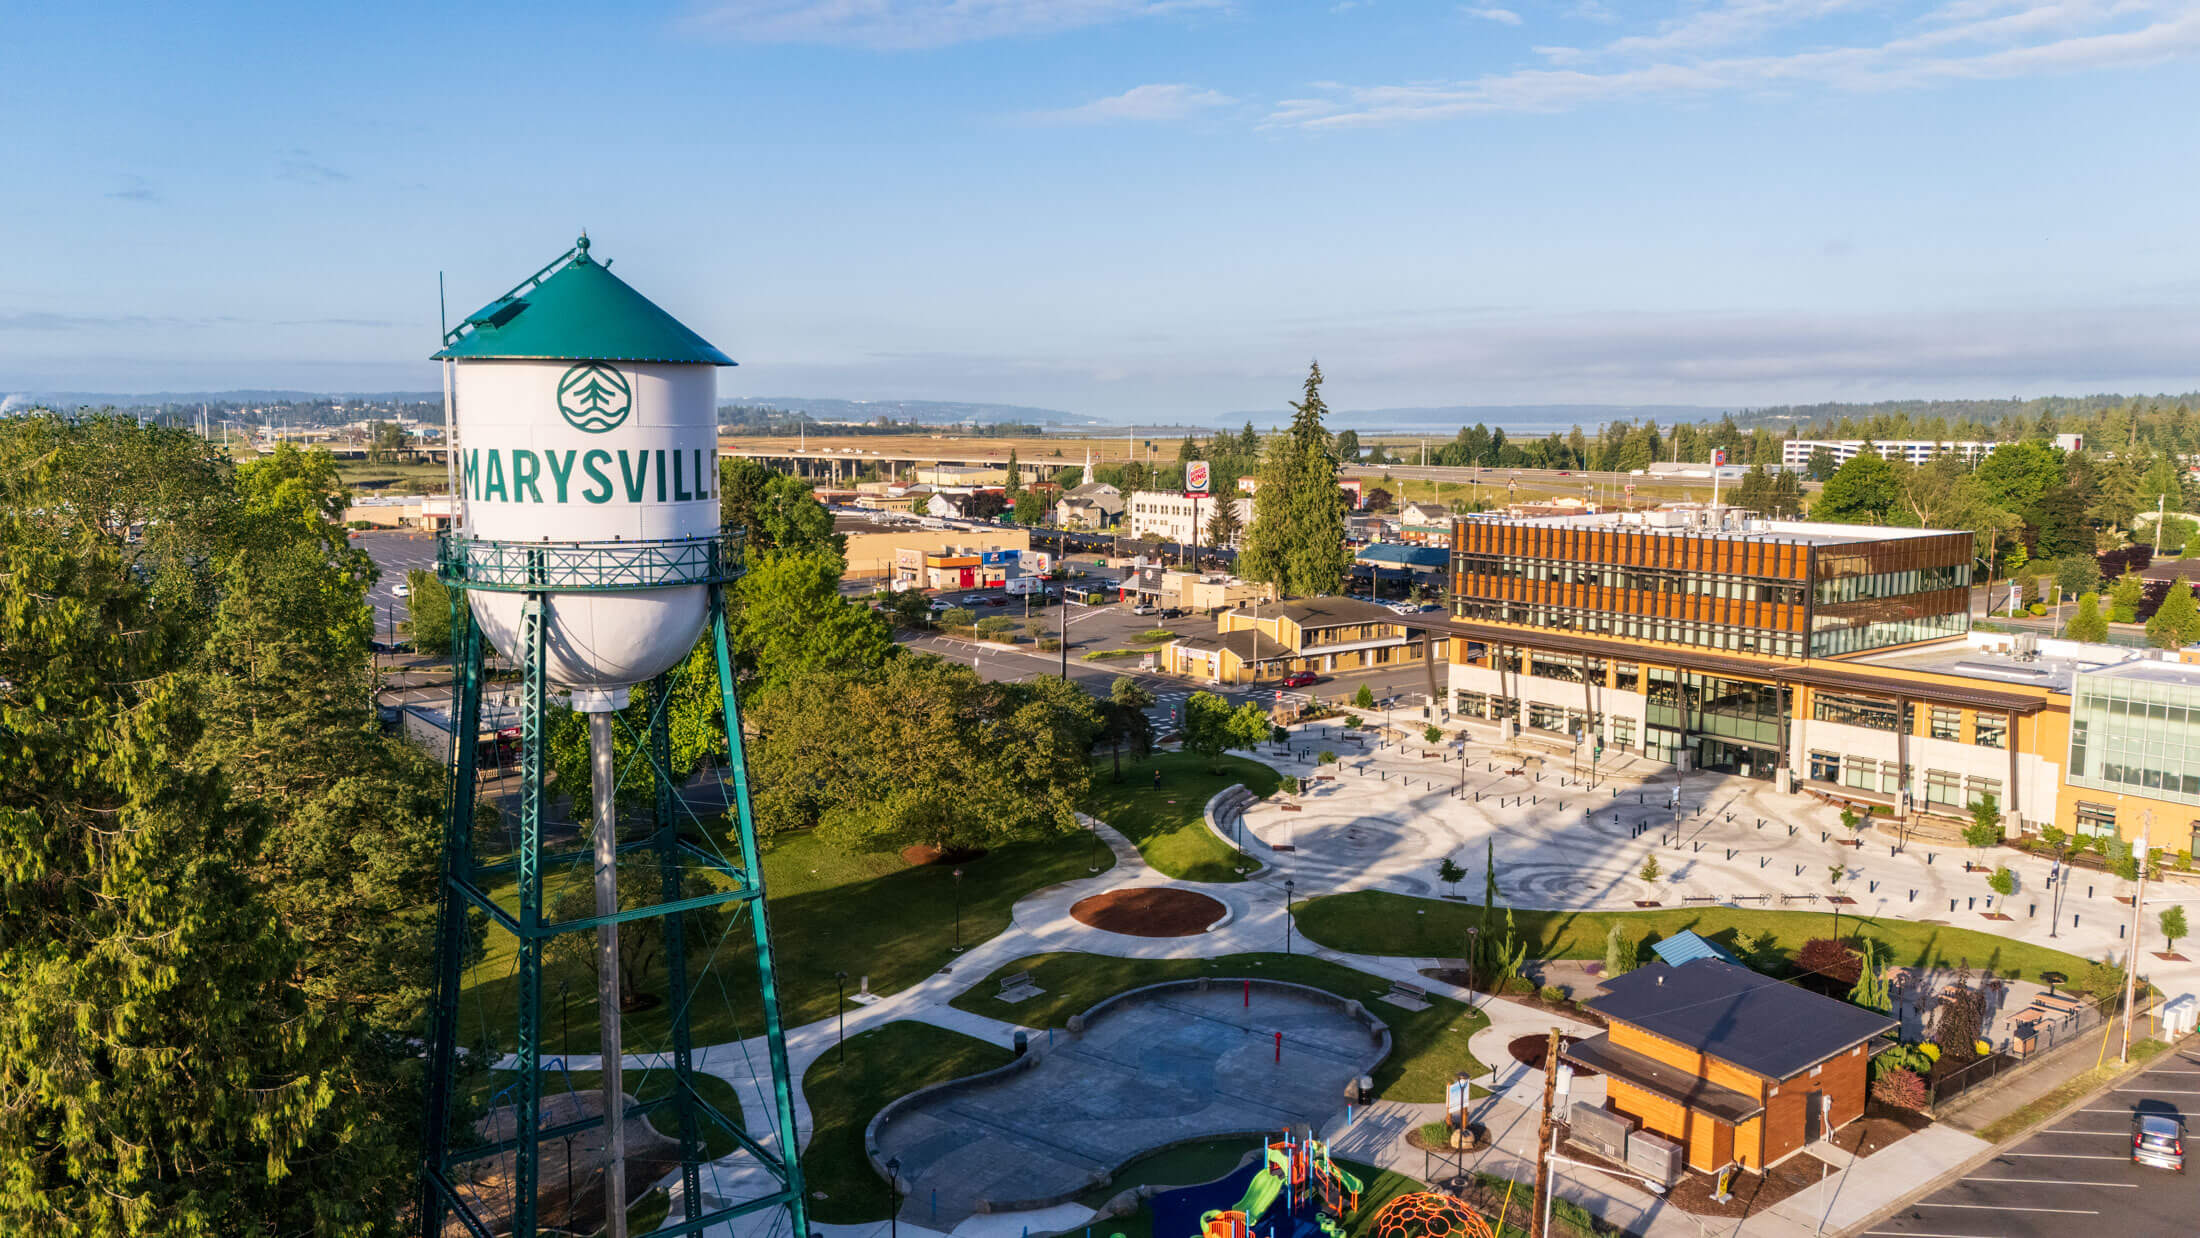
x=893 y=1195
x=840 y=1013
x=958 y=911
x=1287 y=915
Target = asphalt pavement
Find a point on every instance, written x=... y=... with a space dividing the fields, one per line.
x=394 y=553
x=2076 y=1175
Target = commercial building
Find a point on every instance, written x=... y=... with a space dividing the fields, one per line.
x=429 y=512
x=1094 y=505
x=1797 y=452
x=1318 y=635
x=1201 y=592
x=1738 y=1068
x=1831 y=659
x=956 y=567
x=875 y=543
x=1171 y=516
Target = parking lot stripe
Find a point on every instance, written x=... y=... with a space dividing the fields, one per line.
x=2059 y=1131
x=2076 y=1212
x=1918 y=1233
x=2068 y=1156
x=2161 y=1091
x=2118 y=1186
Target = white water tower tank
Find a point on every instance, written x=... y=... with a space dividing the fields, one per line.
x=586 y=419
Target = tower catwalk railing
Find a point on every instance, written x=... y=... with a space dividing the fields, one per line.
x=540 y=572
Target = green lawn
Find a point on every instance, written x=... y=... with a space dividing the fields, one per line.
x=883 y=1065
x=1174 y=836
x=1377 y=1187
x=1374 y=922
x=868 y=915
x=1428 y=1047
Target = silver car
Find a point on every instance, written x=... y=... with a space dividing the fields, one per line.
x=2158 y=1141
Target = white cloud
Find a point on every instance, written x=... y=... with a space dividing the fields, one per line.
x=1711 y=51
x=1173 y=101
x=905 y=24
x=1502 y=16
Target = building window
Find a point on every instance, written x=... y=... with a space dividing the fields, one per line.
x=1993 y=732
x=1947 y=723
x=1943 y=789
x=1893 y=778
x=1825 y=767
x=1983 y=788
x=1623 y=732
x=1864 y=711
x=1627 y=677
x=1860 y=772
x=2095 y=819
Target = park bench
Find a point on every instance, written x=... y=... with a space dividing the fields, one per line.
x=1408 y=995
x=1789 y=898
x=1016 y=988
x=1701 y=898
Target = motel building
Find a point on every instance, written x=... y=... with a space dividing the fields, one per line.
x=1319 y=635
x=1832 y=659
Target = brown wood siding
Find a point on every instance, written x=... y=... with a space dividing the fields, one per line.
x=1636 y=548
x=1680 y=1057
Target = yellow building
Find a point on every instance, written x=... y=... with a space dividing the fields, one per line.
x=1316 y=635
x=875 y=545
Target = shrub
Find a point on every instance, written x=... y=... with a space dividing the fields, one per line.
x=1433 y=734
x=1619 y=952
x=1981 y=1048
x=1325 y=757
x=1364 y=698
x=1824 y=956
x=1050 y=644
x=1553 y=994
x=2184 y=860
x=958 y=617
x=1568 y=1212
x=1902 y=1089
x=1931 y=1052
x=2054 y=838
x=996 y=625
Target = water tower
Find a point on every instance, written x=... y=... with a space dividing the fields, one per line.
x=582 y=424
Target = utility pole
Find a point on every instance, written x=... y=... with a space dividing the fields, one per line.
x=1538 y=1221
x=2161 y=502
x=2131 y=961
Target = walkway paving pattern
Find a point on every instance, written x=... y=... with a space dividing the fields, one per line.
x=1385 y=823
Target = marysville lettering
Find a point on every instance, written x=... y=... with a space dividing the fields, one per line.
x=516 y=475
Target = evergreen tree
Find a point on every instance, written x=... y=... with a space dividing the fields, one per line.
x=2176 y=622
x=1223 y=526
x=2124 y=597
x=1015 y=484
x=2088 y=624
x=1297 y=539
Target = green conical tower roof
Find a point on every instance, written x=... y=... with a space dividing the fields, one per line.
x=575 y=309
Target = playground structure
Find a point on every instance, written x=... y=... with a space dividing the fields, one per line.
x=1316 y=1195
x=1428 y=1214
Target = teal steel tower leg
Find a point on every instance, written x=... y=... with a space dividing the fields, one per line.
x=775 y=1039
x=526 y=1153
x=458 y=852
x=667 y=842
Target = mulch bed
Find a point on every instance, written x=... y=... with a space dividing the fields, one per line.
x=1751 y=1193
x=2169 y=957
x=1645 y=903
x=1993 y=915
x=1535 y=1051
x=1149 y=911
x=925 y=853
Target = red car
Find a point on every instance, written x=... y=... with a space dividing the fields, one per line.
x=1300 y=679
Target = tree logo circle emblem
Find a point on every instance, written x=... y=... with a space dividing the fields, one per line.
x=594 y=398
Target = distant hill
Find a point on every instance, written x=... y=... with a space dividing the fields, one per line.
x=922 y=412
x=162 y=399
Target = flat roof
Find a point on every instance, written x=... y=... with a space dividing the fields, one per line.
x=1762 y=1025
x=2153 y=670
x=1738 y=525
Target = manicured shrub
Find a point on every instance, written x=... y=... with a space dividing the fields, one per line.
x=1902 y=1089
x=958 y=617
x=1325 y=757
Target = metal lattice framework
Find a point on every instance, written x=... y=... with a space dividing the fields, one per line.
x=587 y=567
x=540 y=571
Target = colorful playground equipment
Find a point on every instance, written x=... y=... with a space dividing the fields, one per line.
x=1315 y=1194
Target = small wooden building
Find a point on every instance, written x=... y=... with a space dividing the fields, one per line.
x=1735 y=1066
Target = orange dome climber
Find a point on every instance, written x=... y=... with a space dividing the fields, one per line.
x=1428 y=1214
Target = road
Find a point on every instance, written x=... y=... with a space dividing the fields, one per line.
x=2075 y=1176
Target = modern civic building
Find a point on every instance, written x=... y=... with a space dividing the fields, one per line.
x=1832 y=659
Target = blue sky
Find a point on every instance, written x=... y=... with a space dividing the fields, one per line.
x=1148 y=208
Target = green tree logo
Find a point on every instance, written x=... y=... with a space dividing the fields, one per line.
x=594 y=398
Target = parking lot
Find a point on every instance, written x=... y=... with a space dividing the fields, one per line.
x=395 y=553
x=2075 y=1175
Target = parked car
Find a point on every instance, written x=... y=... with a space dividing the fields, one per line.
x=996 y=600
x=1144 y=608
x=2159 y=1141
x=1172 y=612
x=401 y=589
x=1301 y=679
x=940 y=605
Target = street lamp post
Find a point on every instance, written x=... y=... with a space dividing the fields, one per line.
x=958 y=911
x=1287 y=915
x=840 y=1013
x=893 y=1195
